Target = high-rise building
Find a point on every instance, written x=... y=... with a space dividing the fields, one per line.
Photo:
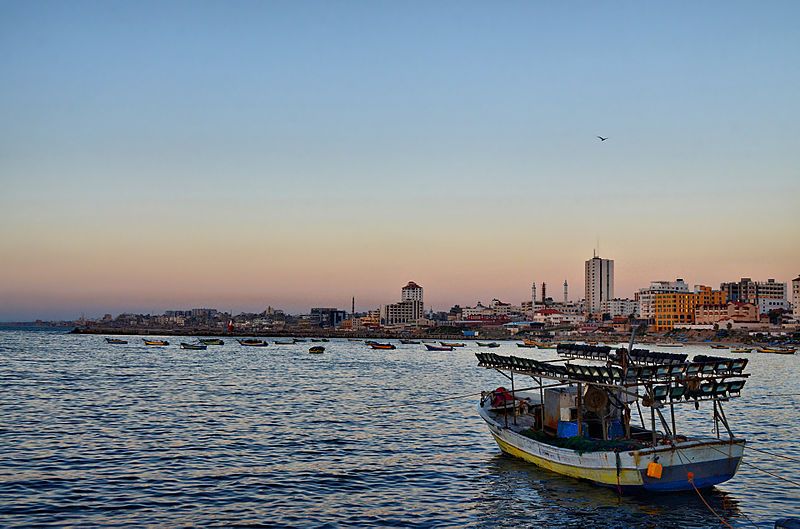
x=411 y=292
x=599 y=283
x=408 y=310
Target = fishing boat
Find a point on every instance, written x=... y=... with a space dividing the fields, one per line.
x=526 y=345
x=252 y=342
x=317 y=349
x=194 y=346
x=430 y=347
x=116 y=341
x=410 y=342
x=489 y=344
x=547 y=346
x=319 y=339
x=669 y=345
x=283 y=342
x=718 y=346
x=575 y=418
x=454 y=344
x=778 y=350
x=212 y=341
x=299 y=340
x=155 y=343
x=382 y=346
x=741 y=350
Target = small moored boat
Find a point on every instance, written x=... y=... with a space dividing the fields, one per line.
x=155 y=343
x=526 y=345
x=194 y=346
x=777 y=350
x=430 y=347
x=718 y=346
x=252 y=342
x=669 y=345
x=319 y=339
x=283 y=342
x=449 y=344
x=489 y=344
x=317 y=349
x=742 y=350
x=116 y=341
x=410 y=342
x=382 y=346
x=211 y=341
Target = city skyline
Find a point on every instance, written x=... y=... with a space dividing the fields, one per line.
x=155 y=156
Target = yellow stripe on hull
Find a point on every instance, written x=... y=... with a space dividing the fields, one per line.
x=607 y=476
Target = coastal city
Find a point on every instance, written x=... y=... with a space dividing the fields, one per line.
x=743 y=306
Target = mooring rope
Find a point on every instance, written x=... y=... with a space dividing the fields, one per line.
x=690 y=479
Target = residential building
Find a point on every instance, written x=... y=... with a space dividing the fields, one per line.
x=765 y=305
x=599 y=283
x=620 y=307
x=736 y=311
x=411 y=292
x=675 y=309
x=645 y=296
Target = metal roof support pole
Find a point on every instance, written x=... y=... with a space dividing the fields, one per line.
x=672 y=412
x=579 y=403
x=716 y=419
x=724 y=420
x=652 y=413
x=513 y=399
x=541 y=404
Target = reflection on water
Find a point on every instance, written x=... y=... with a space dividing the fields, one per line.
x=97 y=434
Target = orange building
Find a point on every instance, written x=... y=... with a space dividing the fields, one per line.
x=671 y=309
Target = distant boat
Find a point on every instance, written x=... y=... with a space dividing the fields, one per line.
x=212 y=341
x=319 y=339
x=452 y=344
x=410 y=342
x=526 y=345
x=155 y=343
x=778 y=350
x=547 y=346
x=194 y=346
x=252 y=342
x=317 y=349
x=299 y=340
x=743 y=350
x=430 y=347
x=669 y=345
x=283 y=342
x=116 y=341
x=718 y=346
x=382 y=346
x=489 y=344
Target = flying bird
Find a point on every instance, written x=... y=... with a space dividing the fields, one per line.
x=602 y=138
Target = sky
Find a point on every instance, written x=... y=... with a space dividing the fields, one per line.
x=239 y=155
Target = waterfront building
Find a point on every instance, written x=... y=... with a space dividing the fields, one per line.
x=327 y=317
x=645 y=296
x=675 y=309
x=735 y=311
x=408 y=310
x=765 y=305
x=796 y=297
x=619 y=307
x=750 y=291
x=599 y=283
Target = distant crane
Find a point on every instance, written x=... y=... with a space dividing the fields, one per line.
x=602 y=138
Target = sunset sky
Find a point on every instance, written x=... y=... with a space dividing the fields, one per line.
x=158 y=155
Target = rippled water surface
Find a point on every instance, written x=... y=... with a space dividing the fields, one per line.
x=93 y=434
